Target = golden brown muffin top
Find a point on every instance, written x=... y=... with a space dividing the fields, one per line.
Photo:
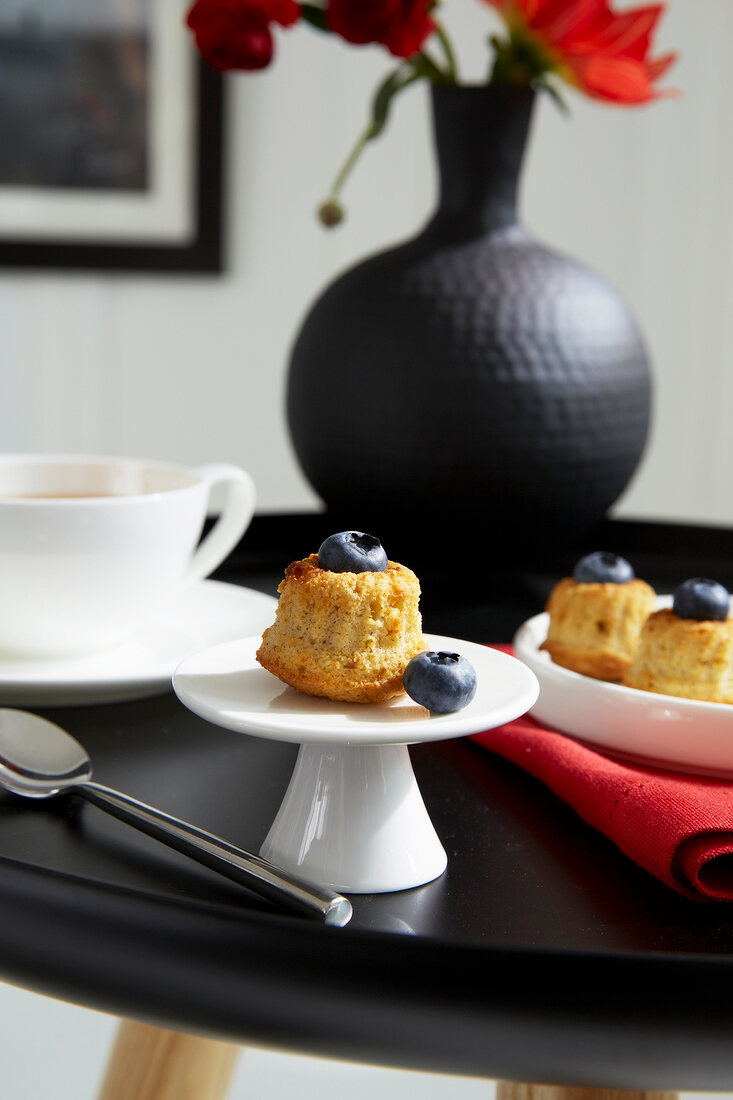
x=567 y=584
x=666 y=619
x=307 y=570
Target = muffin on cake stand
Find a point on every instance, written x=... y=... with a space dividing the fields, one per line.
x=353 y=816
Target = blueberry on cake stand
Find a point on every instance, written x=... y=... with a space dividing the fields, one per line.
x=352 y=816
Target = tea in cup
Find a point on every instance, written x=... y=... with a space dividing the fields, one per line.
x=91 y=547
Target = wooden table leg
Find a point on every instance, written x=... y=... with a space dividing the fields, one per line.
x=150 y=1063
x=508 y=1090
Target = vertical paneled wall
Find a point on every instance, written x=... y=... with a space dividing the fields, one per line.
x=193 y=368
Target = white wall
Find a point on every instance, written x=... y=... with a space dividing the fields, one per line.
x=193 y=368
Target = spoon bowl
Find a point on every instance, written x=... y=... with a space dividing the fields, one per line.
x=39 y=759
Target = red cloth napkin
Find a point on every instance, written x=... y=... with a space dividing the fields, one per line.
x=680 y=828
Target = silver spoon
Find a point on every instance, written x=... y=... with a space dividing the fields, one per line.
x=39 y=759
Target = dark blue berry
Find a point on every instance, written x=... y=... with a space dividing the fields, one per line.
x=603 y=567
x=442 y=682
x=701 y=598
x=352 y=552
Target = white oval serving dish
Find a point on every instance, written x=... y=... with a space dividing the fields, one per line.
x=661 y=730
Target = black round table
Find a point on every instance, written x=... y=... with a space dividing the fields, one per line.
x=541 y=955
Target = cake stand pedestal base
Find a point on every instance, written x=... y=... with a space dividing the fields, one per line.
x=353 y=818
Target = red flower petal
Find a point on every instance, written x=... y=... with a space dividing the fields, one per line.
x=601 y=51
x=627 y=34
x=659 y=66
x=284 y=12
x=400 y=25
x=620 y=79
x=557 y=19
x=235 y=34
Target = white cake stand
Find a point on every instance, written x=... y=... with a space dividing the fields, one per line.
x=352 y=817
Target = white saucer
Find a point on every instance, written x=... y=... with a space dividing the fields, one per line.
x=679 y=734
x=353 y=816
x=207 y=613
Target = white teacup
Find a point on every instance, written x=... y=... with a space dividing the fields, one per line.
x=91 y=547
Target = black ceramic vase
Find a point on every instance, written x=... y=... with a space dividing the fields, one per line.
x=471 y=379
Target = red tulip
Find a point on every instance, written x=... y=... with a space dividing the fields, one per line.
x=235 y=34
x=603 y=52
x=400 y=25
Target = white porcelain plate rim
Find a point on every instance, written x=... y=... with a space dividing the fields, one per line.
x=679 y=734
x=225 y=685
x=206 y=612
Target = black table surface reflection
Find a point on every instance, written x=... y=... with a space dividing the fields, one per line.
x=542 y=953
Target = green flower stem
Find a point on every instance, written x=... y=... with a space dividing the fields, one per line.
x=517 y=61
x=330 y=211
x=451 y=73
x=420 y=66
x=510 y=63
x=425 y=66
x=315 y=16
x=367 y=134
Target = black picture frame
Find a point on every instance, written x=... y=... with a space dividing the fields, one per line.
x=201 y=251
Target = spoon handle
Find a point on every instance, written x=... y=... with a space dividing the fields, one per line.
x=248 y=870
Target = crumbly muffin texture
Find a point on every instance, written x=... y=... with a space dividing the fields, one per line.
x=595 y=628
x=688 y=658
x=344 y=636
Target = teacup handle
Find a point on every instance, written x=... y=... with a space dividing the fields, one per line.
x=236 y=512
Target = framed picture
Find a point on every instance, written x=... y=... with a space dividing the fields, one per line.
x=111 y=136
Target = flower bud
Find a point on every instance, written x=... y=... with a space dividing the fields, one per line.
x=330 y=213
